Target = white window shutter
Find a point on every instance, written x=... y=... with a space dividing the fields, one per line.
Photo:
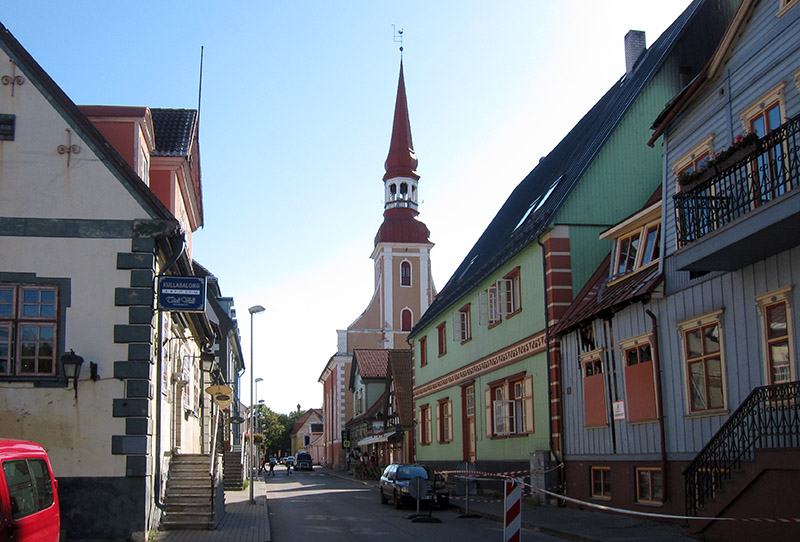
x=529 y=404
x=487 y=404
x=483 y=308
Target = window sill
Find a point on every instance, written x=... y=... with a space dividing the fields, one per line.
x=629 y=274
x=651 y=504
x=707 y=413
x=510 y=435
x=495 y=324
x=601 y=497
x=513 y=314
x=465 y=341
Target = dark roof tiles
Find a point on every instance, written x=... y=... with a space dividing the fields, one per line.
x=174 y=130
x=533 y=204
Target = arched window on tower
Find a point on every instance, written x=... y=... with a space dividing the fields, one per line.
x=403 y=190
x=405 y=320
x=405 y=273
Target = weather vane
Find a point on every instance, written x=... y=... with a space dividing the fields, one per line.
x=398 y=37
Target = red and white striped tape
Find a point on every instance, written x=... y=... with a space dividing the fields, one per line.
x=512 y=522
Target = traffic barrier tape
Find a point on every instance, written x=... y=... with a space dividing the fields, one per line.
x=660 y=516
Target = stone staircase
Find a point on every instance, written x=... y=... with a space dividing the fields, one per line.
x=189 y=494
x=233 y=470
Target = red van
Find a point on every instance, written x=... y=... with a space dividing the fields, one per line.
x=28 y=494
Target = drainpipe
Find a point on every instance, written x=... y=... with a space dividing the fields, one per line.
x=659 y=403
x=611 y=379
x=176 y=254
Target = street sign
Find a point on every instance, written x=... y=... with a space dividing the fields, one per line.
x=182 y=294
x=346 y=444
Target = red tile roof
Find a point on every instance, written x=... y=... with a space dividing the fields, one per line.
x=400 y=225
x=371 y=362
x=599 y=297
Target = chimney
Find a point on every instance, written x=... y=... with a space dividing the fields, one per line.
x=635 y=45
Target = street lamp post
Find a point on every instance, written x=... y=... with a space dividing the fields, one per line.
x=252 y=310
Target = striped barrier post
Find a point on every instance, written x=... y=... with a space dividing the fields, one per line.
x=512 y=521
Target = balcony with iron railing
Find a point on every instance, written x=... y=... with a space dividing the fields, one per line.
x=744 y=209
x=768 y=419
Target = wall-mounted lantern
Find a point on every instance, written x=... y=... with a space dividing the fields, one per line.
x=72 y=368
x=207 y=360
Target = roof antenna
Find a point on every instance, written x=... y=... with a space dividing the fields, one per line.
x=200 y=86
x=398 y=38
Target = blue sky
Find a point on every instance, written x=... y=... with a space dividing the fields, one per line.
x=296 y=114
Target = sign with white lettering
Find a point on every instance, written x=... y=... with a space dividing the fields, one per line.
x=182 y=294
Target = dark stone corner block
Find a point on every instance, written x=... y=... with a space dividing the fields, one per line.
x=132 y=369
x=126 y=408
x=128 y=444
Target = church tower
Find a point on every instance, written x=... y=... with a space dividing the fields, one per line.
x=403 y=282
x=403 y=278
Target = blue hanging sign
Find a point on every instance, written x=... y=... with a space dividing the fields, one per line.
x=182 y=294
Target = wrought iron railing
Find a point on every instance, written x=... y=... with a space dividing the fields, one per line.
x=768 y=419
x=759 y=174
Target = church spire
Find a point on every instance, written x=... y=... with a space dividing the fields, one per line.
x=401 y=163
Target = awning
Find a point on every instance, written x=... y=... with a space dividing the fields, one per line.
x=375 y=439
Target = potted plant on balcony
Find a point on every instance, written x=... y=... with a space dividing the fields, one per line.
x=740 y=148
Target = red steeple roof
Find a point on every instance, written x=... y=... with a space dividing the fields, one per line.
x=401 y=162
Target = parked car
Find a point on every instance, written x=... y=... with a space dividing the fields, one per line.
x=395 y=482
x=29 y=509
x=303 y=461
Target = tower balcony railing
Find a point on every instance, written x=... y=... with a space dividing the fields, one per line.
x=753 y=176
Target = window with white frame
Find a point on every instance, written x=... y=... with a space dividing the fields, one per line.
x=637 y=241
x=406 y=319
x=425 y=433
x=501 y=299
x=704 y=363
x=777 y=338
x=405 y=273
x=445 y=420
x=28 y=330
x=462 y=324
x=649 y=485
x=762 y=117
x=509 y=406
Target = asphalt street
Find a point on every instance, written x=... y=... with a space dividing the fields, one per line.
x=307 y=506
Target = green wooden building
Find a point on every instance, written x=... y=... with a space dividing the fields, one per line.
x=487 y=372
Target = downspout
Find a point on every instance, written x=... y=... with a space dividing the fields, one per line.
x=611 y=378
x=660 y=404
x=177 y=252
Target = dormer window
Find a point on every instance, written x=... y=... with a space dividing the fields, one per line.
x=637 y=241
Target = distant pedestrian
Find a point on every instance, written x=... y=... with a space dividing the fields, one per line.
x=272 y=467
x=288 y=469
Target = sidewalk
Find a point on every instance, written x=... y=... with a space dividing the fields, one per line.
x=568 y=523
x=243 y=522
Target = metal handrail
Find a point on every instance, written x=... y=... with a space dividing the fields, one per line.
x=212 y=467
x=768 y=419
x=769 y=169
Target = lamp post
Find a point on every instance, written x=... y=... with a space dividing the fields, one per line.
x=252 y=310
